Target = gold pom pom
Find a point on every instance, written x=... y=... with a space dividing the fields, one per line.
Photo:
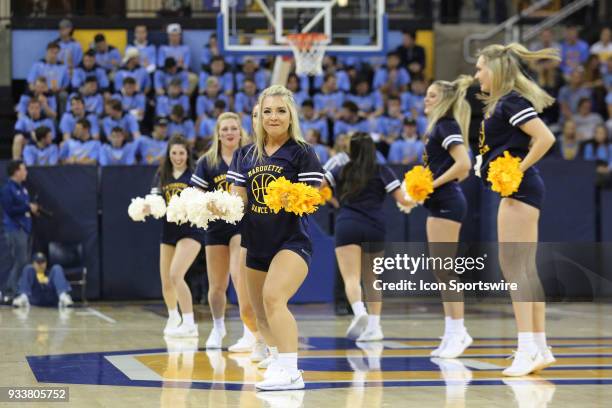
x=326 y=194
x=505 y=174
x=419 y=183
x=297 y=198
x=277 y=193
x=303 y=199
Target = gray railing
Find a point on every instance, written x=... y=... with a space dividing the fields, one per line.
x=555 y=18
x=507 y=26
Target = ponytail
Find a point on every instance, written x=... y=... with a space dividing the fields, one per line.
x=505 y=61
x=452 y=102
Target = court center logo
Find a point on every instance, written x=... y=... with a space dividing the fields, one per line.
x=259 y=184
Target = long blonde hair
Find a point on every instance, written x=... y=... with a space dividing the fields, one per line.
x=295 y=132
x=213 y=155
x=504 y=62
x=452 y=101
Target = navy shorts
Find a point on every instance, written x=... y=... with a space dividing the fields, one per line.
x=242 y=243
x=532 y=189
x=173 y=233
x=447 y=202
x=263 y=263
x=350 y=231
x=221 y=234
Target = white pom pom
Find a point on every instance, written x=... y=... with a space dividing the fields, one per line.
x=136 y=209
x=196 y=206
x=176 y=211
x=229 y=206
x=157 y=204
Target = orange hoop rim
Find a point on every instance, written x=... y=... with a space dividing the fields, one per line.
x=306 y=40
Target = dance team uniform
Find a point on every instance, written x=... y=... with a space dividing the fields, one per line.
x=447 y=201
x=499 y=132
x=360 y=219
x=171 y=232
x=265 y=233
x=210 y=178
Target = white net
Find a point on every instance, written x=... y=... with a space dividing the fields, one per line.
x=308 y=51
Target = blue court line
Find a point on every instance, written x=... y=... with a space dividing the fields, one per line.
x=440 y=383
x=556 y=346
x=488 y=338
x=591 y=367
x=558 y=356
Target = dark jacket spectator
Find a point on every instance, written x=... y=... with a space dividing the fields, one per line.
x=412 y=56
x=17 y=220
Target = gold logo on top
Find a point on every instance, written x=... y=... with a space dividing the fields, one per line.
x=259 y=184
x=173 y=189
x=482 y=144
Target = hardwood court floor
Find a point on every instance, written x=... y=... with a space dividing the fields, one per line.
x=113 y=355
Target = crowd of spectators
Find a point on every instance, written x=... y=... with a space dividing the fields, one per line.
x=108 y=106
x=582 y=85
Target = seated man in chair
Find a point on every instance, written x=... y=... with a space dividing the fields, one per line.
x=43 y=287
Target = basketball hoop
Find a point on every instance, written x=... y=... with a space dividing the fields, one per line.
x=308 y=51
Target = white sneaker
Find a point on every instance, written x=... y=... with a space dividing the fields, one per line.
x=243 y=345
x=271 y=369
x=21 y=301
x=65 y=300
x=171 y=324
x=266 y=362
x=215 y=339
x=183 y=330
x=372 y=334
x=282 y=379
x=259 y=352
x=524 y=363
x=357 y=326
x=282 y=399
x=436 y=352
x=456 y=345
x=548 y=359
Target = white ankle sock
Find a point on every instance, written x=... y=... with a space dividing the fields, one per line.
x=173 y=314
x=526 y=342
x=373 y=321
x=288 y=361
x=188 y=319
x=246 y=333
x=456 y=326
x=447 y=325
x=540 y=340
x=358 y=308
x=219 y=324
x=273 y=351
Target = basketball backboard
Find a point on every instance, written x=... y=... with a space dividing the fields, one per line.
x=359 y=27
